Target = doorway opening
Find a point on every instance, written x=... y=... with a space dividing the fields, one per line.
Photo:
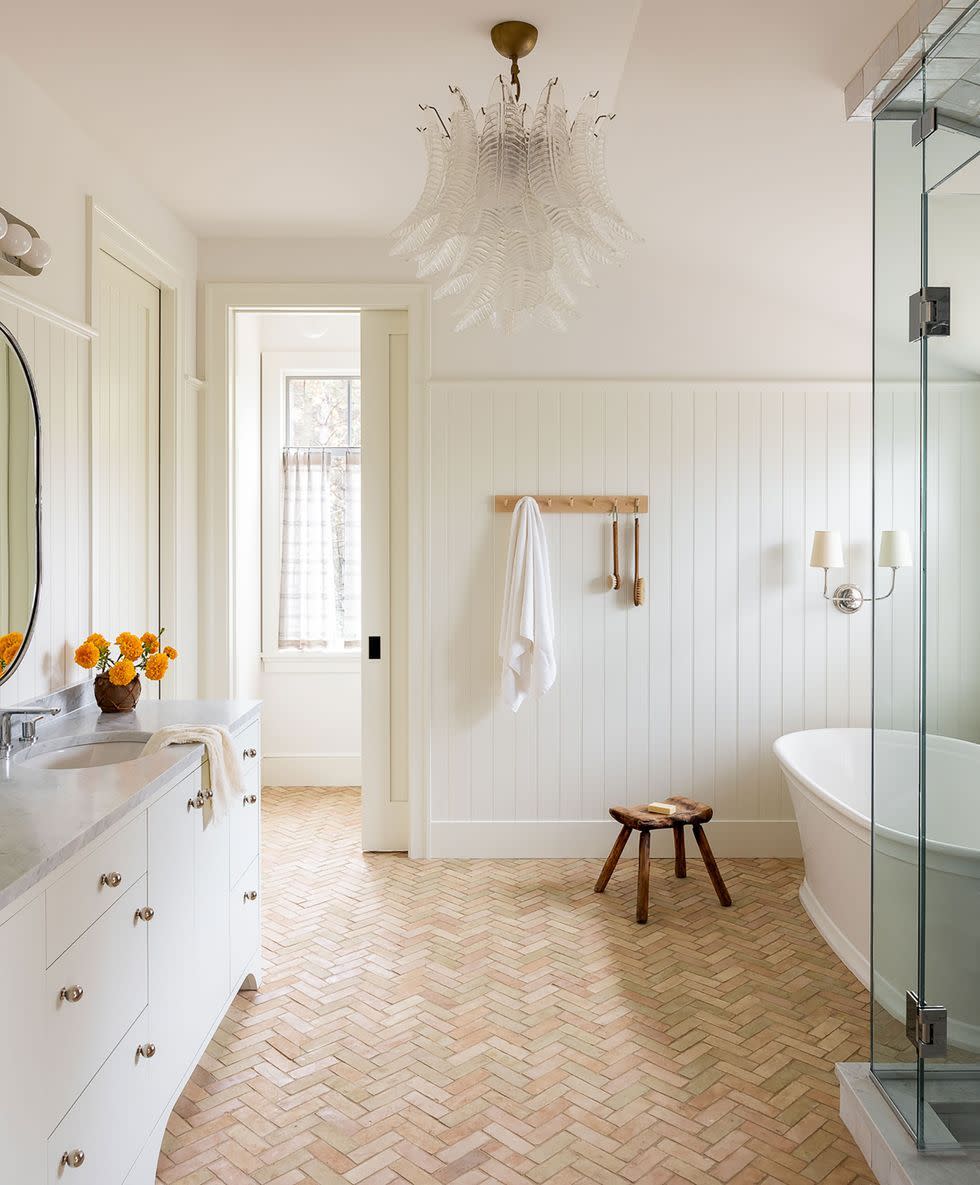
x=319 y=502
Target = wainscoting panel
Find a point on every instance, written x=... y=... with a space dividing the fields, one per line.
x=685 y=694
x=58 y=354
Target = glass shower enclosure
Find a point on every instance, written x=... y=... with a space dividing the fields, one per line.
x=925 y=954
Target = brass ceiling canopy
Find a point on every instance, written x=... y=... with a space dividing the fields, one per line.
x=514 y=40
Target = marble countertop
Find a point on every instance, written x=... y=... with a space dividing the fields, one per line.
x=48 y=815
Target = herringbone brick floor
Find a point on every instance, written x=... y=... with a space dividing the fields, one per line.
x=496 y=1021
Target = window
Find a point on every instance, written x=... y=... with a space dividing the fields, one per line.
x=320 y=561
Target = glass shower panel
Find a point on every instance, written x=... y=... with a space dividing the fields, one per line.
x=898 y=447
x=950 y=938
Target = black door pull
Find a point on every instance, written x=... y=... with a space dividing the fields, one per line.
x=374 y=646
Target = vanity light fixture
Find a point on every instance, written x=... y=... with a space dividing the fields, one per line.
x=827 y=552
x=22 y=250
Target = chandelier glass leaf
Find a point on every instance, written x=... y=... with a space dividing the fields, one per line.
x=516 y=208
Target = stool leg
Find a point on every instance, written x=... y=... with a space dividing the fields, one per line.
x=643 y=879
x=612 y=859
x=709 y=862
x=680 y=856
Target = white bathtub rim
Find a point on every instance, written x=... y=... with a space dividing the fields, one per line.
x=823 y=799
x=857 y=963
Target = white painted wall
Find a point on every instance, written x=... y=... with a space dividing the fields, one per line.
x=55 y=166
x=686 y=694
x=311 y=723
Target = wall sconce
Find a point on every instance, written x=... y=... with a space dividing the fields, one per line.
x=21 y=248
x=828 y=552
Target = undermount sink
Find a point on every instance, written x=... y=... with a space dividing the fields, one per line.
x=83 y=753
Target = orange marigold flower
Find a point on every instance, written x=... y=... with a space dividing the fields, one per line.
x=151 y=644
x=123 y=672
x=170 y=652
x=98 y=642
x=9 y=645
x=129 y=646
x=156 y=666
x=87 y=655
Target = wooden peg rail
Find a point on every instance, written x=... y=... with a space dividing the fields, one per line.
x=578 y=503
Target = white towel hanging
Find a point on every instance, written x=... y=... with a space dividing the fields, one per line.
x=527 y=623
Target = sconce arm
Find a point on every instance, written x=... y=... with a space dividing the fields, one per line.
x=891 y=589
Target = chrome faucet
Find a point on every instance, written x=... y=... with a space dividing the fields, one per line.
x=28 y=731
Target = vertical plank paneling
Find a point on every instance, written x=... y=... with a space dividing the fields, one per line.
x=595 y=568
x=638 y=778
x=734 y=645
x=571 y=576
x=478 y=606
x=726 y=604
x=503 y=426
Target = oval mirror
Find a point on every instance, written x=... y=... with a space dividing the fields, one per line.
x=20 y=504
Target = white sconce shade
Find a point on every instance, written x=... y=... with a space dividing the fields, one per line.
x=3 y=225
x=827 y=552
x=895 y=550
x=17 y=240
x=39 y=255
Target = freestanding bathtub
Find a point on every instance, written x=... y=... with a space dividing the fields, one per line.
x=828 y=772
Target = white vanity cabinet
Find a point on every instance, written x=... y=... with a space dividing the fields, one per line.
x=115 y=972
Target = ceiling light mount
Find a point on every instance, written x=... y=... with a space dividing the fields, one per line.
x=514 y=40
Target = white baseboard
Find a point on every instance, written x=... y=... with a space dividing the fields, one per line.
x=311 y=769
x=593 y=838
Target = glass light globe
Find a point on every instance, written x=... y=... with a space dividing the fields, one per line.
x=3 y=225
x=39 y=255
x=17 y=240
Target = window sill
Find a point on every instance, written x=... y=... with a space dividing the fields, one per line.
x=311 y=662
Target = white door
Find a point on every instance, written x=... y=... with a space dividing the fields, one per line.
x=384 y=581
x=126 y=451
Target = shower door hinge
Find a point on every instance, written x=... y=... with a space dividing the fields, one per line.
x=925 y=1026
x=929 y=313
x=925 y=125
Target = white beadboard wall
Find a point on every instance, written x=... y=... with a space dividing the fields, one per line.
x=58 y=353
x=686 y=694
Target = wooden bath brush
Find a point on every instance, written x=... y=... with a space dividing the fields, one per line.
x=639 y=584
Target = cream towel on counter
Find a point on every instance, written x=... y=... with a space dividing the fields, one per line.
x=223 y=763
x=527 y=624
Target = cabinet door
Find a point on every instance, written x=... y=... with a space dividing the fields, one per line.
x=171 y=827
x=211 y=952
x=21 y=1044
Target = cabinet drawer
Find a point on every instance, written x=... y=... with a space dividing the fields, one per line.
x=73 y=903
x=107 y=1124
x=109 y=964
x=248 y=745
x=245 y=823
x=246 y=926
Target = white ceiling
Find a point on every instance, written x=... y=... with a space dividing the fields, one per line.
x=296 y=118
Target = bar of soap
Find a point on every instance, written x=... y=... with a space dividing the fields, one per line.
x=661 y=808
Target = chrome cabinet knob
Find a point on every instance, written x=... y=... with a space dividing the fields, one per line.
x=195 y=804
x=250 y=800
x=247 y=753
x=208 y=794
x=252 y=895
x=147 y=1050
x=112 y=879
x=144 y=915
x=72 y=994
x=74 y=1159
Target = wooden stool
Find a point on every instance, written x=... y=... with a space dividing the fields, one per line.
x=637 y=818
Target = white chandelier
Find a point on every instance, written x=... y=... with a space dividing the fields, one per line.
x=514 y=211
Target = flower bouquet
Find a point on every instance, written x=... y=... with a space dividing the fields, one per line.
x=117 y=679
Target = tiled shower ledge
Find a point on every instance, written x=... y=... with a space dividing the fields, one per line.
x=887 y=1146
x=923 y=24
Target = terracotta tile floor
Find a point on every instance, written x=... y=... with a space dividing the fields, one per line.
x=496 y=1021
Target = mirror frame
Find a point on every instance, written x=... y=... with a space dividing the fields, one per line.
x=36 y=408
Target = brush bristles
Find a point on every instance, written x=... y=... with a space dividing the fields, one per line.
x=639 y=591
